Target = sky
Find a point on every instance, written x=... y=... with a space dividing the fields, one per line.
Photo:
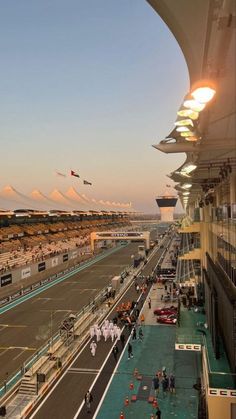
x=88 y=85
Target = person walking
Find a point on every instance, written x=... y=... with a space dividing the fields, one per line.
x=149 y=303
x=156 y=384
x=140 y=334
x=115 y=351
x=130 y=351
x=122 y=339
x=88 y=398
x=93 y=347
x=134 y=334
x=142 y=319
x=172 y=383
x=158 y=413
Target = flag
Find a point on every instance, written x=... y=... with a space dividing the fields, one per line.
x=60 y=174
x=72 y=173
x=87 y=183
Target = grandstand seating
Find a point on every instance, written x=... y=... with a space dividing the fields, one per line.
x=28 y=243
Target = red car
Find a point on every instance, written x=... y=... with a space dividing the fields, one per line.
x=167 y=319
x=165 y=311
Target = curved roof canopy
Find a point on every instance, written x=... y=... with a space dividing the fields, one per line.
x=206 y=33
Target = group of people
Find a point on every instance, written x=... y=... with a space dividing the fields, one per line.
x=167 y=382
x=109 y=329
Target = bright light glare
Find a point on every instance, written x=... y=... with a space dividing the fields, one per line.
x=182 y=129
x=194 y=105
x=193 y=138
x=203 y=94
x=186 y=133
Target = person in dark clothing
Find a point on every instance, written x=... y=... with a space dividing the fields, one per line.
x=88 y=398
x=134 y=334
x=165 y=383
x=156 y=384
x=122 y=339
x=172 y=383
x=115 y=351
x=158 y=413
x=130 y=351
x=140 y=334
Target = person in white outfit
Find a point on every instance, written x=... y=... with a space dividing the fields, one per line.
x=106 y=333
x=112 y=334
x=93 y=347
x=98 y=334
x=91 y=331
x=118 y=333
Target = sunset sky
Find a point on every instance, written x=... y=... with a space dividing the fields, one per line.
x=88 y=85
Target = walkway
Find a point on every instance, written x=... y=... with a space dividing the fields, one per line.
x=155 y=351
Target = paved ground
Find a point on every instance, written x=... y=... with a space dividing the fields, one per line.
x=26 y=327
x=85 y=370
x=156 y=350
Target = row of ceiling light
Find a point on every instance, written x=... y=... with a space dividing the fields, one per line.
x=186 y=124
x=193 y=104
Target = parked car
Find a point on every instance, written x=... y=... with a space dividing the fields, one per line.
x=171 y=319
x=165 y=311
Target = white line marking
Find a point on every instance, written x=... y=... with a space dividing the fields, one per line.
x=17 y=356
x=79 y=353
x=69 y=366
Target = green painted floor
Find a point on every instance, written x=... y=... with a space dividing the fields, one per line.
x=156 y=350
x=189 y=331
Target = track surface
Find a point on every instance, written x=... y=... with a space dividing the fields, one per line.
x=66 y=400
x=26 y=327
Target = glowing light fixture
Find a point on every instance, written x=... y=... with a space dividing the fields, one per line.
x=186 y=133
x=184 y=122
x=203 y=94
x=194 y=105
x=182 y=129
x=186 y=193
x=188 y=168
x=188 y=113
x=186 y=185
x=193 y=138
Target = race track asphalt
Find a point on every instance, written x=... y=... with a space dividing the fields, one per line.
x=26 y=327
x=66 y=399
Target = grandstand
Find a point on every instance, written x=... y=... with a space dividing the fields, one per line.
x=36 y=227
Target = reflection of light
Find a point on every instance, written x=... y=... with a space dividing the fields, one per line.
x=187 y=185
x=194 y=105
x=203 y=94
x=186 y=193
